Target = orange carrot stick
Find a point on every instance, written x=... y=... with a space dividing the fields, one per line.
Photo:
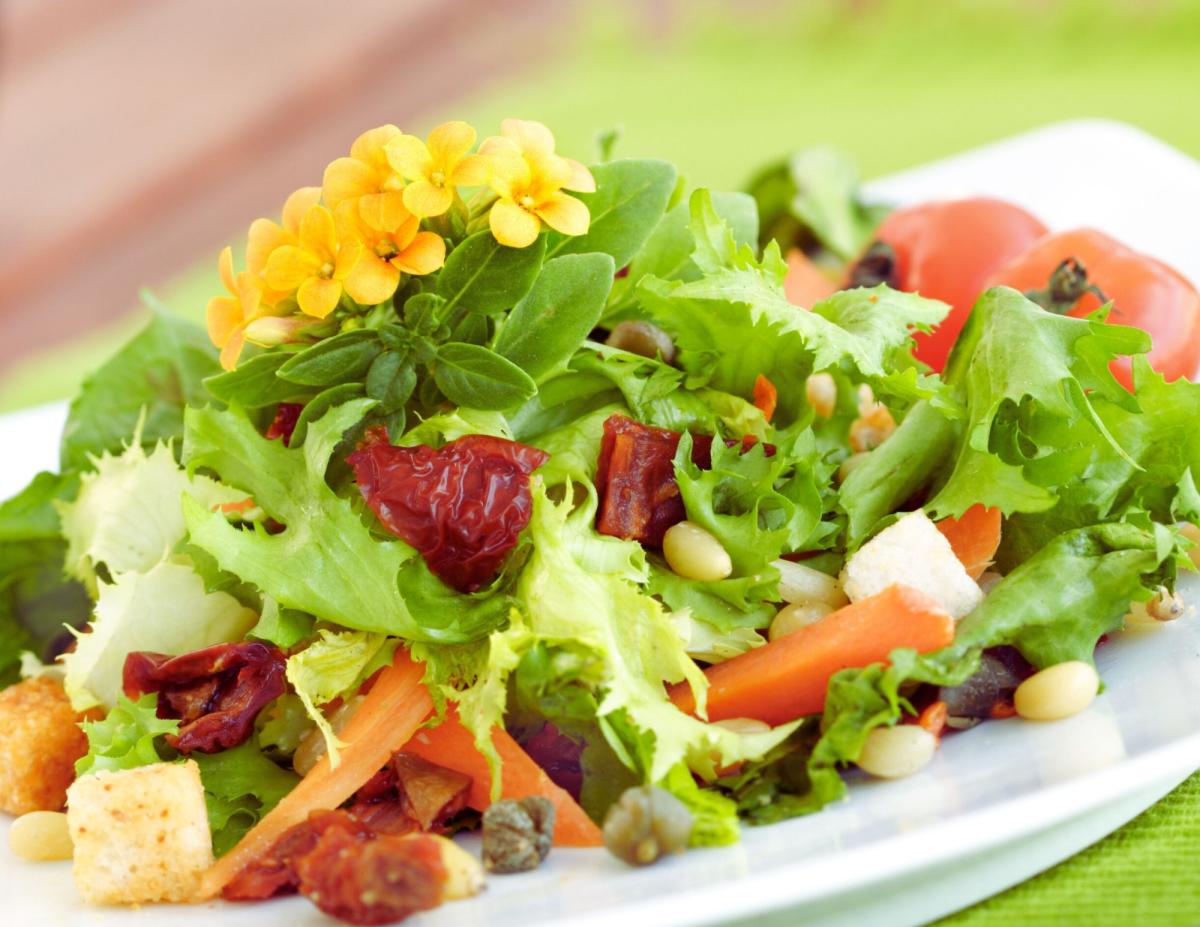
x=804 y=284
x=787 y=678
x=974 y=538
x=765 y=396
x=391 y=712
x=453 y=746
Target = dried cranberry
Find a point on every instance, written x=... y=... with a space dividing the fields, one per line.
x=377 y=882
x=215 y=693
x=274 y=873
x=462 y=506
x=284 y=422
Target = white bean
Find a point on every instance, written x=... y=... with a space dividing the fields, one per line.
x=464 y=874
x=821 y=392
x=800 y=583
x=871 y=429
x=642 y=338
x=1164 y=607
x=744 y=725
x=40 y=836
x=791 y=618
x=897 y=752
x=1192 y=533
x=1058 y=691
x=693 y=553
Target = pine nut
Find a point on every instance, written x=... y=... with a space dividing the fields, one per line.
x=866 y=398
x=871 y=428
x=642 y=338
x=1056 y=692
x=464 y=874
x=821 y=390
x=693 y=553
x=792 y=618
x=850 y=464
x=744 y=725
x=799 y=583
x=897 y=752
x=1192 y=533
x=41 y=836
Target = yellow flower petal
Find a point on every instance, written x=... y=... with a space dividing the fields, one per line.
x=347 y=256
x=225 y=269
x=318 y=297
x=497 y=144
x=222 y=317
x=264 y=237
x=548 y=174
x=531 y=137
x=471 y=171
x=383 y=211
x=513 y=226
x=425 y=255
x=372 y=280
x=296 y=205
x=370 y=147
x=564 y=214
x=423 y=199
x=580 y=179
x=318 y=234
x=290 y=266
x=249 y=290
x=232 y=350
x=409 y=157
x=347 y=178
x=510 y=175
x=449 y=143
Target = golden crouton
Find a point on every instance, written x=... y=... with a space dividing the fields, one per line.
x=140 y=835
x=40 y=741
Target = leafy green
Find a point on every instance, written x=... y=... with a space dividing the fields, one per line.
x=283 y=627
x=726 y=604
x=255 y=383
x=547 y=326
x=714 y=816
x=155 y=375
x=711 y=643
x=127 y=737
x=240 y=787
x=325 y=562
x=473 y=376
x=342 y=358
x=631 y=197
x=484 y=276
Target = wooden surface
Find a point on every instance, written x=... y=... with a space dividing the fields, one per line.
x=137 y=136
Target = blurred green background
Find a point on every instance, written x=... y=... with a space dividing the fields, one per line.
x=720 y=88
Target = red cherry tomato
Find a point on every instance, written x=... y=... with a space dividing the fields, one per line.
x=1145 y=292
x=947 y=251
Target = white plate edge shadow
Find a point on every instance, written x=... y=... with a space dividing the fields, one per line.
x=1077 y=811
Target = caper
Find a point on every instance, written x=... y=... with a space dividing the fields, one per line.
x=645 y=824
x=517 y=835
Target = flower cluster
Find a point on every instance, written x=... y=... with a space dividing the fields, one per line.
x=392 y=208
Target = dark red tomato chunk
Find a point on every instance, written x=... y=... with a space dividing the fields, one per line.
x=284 y=422
x=215 y=693
x=410 y=794
x=377 y=882
x=462 y=506
x=639 y=498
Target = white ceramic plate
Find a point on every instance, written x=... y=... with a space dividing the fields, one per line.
x=998 y=804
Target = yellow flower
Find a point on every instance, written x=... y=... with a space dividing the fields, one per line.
x=228 y=316
x=385 y=255
x=316 y=266
x=436 y=168
x=367 y=175
x=265 y=236
x=528 y=177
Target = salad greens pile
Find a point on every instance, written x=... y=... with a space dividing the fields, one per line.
x=175 y=523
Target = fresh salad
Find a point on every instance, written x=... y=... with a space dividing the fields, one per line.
x=580 y=507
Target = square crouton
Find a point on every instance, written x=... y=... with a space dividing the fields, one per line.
x=40 y=741
x=912 y=551
x=141 y=835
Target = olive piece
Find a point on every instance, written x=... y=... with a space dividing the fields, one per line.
x=517 y=835
x=646 y=823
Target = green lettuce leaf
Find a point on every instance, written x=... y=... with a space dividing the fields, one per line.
x=127 y=737
x=240 y=787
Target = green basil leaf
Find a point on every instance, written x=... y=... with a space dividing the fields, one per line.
x=395 y=336
x=423 y=312
x=485 y=276
x=470 y=375
x=472 y=328
x=391 y=380
x=254 y=383
x=547 y=326
x=341 y=359
x=320 y=404
x=631 y=198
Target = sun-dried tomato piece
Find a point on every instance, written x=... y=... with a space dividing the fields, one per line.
x=639 y=498
x=409 y=794
x=284 y=422
x=215 y=693
x=274 y=873
x=378 y=882
x=462 y=506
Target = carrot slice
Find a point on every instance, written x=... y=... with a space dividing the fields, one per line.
x=453 y=746
x=804 y=284
x=974 y=538
x=765 y=396
x=787 y=678
x=390 y=714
